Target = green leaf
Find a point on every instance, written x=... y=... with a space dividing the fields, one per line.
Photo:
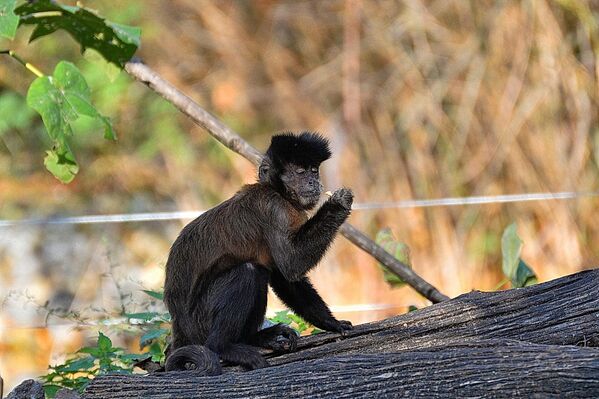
x=511 y=246
x=117 y=43
x=145 y=316
x=128 y=34
x=50 y=390
x=104 y=343
x=398 y=249
x=514 y=268
x=525 y=276
x=62 y=165
x=129 y=357
x=151 y=335
x=155 y=294
x=77 y=365
x=9 y=21
x=282 y=317
x=94 y=351
x=60 y=100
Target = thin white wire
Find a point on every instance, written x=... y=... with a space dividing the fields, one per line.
x=489 y=199
x=457 y=201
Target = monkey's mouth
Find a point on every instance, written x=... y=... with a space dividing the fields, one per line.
x=311 y=195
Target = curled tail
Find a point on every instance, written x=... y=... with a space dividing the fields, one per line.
x=194 y=357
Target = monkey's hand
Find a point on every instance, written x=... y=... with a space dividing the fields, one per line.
x=345 y=326
x=341 y=326
x=342 y=197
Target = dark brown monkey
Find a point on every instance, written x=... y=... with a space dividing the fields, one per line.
x=219 y=268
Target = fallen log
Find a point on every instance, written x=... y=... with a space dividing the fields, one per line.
x=564 y=311
x=539 y=340
x=496 y=369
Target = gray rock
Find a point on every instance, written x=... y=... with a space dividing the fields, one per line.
x=28 y=389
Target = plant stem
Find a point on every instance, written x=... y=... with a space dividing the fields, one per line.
x=21 y=61
x=501 y=284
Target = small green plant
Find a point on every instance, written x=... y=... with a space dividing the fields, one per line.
x=88 y=362
x=514 y=268
x=294 y=321
x=155 y=327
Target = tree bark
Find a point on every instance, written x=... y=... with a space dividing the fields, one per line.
x=490 y=369
x=233 y=141
x=535 y=341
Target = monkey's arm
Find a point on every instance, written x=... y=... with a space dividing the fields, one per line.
x=295 y=255
x=303 y=299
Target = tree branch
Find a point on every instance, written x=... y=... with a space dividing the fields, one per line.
x=518 y=342
x=233 y=141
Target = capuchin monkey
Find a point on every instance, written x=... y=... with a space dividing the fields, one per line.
x=220 y=266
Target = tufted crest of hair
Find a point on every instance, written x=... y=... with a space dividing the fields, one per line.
x=305 y=149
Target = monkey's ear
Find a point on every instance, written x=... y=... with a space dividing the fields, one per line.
x=265 y=171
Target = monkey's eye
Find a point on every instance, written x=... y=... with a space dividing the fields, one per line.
x=299 y=171
x=314 y=170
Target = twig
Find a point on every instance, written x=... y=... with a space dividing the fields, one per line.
x=233 y=141
x=21 y=61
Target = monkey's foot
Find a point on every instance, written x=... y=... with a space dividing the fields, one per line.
x=279 y=338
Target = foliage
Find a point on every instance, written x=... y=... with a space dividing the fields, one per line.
x=91 y=361
x=64 y=97
x=116 y=42
x=514 y=268
x=9 y=21
x=88 y=362
x=294 y=321
x=155 y=329
x=60 y=100
x=398 y=249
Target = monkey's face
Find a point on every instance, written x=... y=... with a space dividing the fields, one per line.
x=302 y=184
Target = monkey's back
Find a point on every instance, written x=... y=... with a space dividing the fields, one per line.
x=227 y=235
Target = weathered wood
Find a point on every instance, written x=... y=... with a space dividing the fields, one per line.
x=491 y=369
x=564 y=311
x=478 y=344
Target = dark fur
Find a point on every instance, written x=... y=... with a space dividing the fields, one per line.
x=219 y=268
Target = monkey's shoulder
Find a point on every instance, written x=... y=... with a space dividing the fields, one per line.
x=268 y=202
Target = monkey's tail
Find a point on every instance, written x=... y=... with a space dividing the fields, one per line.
x=197 y=358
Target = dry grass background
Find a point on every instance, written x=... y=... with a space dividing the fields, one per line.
x=421 y=99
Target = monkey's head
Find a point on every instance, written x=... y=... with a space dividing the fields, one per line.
x=291 y=166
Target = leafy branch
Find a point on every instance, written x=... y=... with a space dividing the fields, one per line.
x=65 y=96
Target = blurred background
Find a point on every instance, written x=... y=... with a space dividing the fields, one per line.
x=420 y=99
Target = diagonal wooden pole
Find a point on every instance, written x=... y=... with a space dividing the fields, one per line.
x=233 y=141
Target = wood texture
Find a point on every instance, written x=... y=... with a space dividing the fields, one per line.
x=495 y=369
x=539 y=341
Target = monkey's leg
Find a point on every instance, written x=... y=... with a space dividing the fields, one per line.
x=237 y=302
x=303 y=299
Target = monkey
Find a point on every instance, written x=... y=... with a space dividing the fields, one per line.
x=221 y=264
